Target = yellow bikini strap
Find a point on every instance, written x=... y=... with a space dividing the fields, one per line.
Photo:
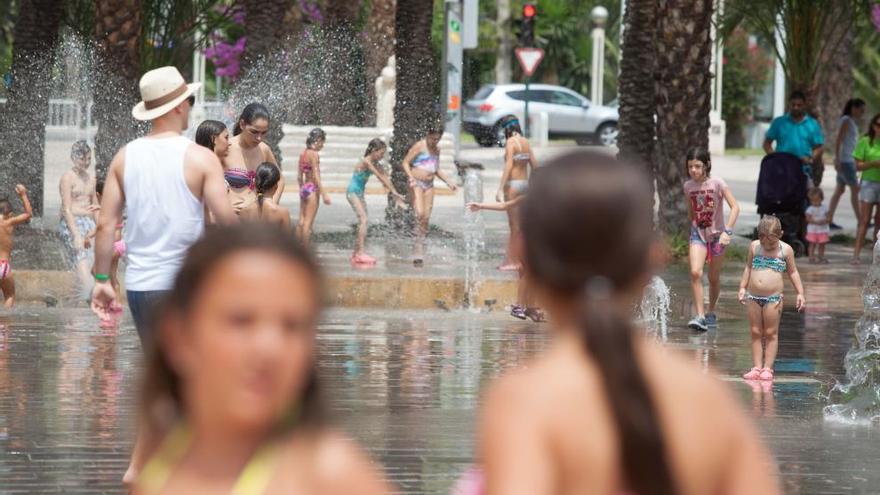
x=157 y=471
x=256 y=475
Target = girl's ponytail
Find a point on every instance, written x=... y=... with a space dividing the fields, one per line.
x=587 y=189
x=265 y=178
x=608 y=338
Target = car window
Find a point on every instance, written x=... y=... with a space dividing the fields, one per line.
x=484 y=92
x=563 y=98
x=536 y=95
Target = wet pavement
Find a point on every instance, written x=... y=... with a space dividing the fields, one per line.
x=407 y=385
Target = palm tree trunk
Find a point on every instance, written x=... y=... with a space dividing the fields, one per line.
x=836 y=80
x=637 y=72
x=344 y=101
x=23 y=132
x=683 y=92
x=118 y=33
x=416 y=103
x=378 y=47
x=266 y=67
x=503 y=70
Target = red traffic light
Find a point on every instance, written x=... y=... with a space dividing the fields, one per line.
x=529 y=10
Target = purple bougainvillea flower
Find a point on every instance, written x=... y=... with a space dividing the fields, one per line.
x=875 y=15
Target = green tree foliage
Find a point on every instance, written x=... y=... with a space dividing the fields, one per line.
x=7 y=23
x=746 y=70
x=813 y=28
x=866 y=63
x=562 y=29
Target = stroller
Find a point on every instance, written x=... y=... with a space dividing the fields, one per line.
x=782 y=192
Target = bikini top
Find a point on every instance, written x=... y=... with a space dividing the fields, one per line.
x=238 y=178
x=252 y=480
x=304 y=164
x=426 y=161
x=775 y=263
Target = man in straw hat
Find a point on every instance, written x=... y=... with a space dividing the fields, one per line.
x=163 y=181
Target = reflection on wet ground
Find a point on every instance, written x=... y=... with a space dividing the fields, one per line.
x=407 y=385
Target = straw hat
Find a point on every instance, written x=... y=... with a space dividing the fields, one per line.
x=162 y=89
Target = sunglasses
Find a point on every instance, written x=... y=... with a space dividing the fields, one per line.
x=191 y=100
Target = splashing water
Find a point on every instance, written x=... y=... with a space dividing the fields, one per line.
x=653 y=311
x=858 y=400
x=474 y=242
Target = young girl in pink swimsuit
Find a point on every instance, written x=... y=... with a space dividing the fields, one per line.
x=309 y=178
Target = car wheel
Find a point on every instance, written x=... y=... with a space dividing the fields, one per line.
x=498 y=134
x=485 y=139
x=606 y=134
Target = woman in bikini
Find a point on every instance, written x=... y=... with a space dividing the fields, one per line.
x=214 y=135
x=421 y=164
x=309 y=178
x=519 y=161
x=247 y=151
x=231 y=400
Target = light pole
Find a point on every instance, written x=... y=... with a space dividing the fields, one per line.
x=599 y=16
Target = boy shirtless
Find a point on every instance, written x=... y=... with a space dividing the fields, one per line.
x=8 y=221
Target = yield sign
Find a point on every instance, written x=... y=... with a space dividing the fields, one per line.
x=529 y=58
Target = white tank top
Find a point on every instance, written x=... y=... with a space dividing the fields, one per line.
x=163 y=217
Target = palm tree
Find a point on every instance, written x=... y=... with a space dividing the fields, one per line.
x=683 y=92
x=504 y=55
x=835 y=79
x=118 y=68
x=344 y=99
x=378 y=46
x=813 y=30
x=636 y=90
x=416 y=105
x=24 y=116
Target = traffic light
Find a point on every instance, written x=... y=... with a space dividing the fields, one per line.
x=527 y=25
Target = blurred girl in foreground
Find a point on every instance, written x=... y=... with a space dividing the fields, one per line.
x=231 y=391
x=603 y=411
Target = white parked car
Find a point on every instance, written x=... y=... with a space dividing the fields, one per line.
x=570 y=115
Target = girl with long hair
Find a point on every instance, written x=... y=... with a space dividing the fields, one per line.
x=369 y=165
x=309 y=178
x=603 y=410
x=231 y=401
x=265 y=209
x=519 y=161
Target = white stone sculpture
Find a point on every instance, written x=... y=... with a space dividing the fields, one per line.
x=386 y=87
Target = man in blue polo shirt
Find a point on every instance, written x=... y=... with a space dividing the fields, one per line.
x=796 y=132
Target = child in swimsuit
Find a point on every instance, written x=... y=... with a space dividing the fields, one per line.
x=369 y=165
x=8 y=222
x=519 y=161
x=709 y=235
x=265 y=209
x=523 y=308
x=421 y=165
x=309 y=178
x=761 y=291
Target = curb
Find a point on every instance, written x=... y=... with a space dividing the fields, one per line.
x=43 y=286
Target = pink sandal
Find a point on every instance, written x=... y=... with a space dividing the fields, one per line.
x=363 y=259
x=753 y=374
x=766 y=374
